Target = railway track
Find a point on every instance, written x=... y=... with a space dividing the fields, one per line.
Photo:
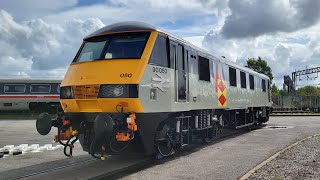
x=85 y=167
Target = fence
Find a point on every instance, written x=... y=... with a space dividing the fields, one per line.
x=296 y=103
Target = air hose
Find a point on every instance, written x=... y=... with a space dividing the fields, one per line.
x=70 y=145
x=121 y=149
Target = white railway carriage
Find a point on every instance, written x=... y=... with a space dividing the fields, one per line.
x=29 y=94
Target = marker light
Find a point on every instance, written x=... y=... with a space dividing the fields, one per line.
x=66 y=92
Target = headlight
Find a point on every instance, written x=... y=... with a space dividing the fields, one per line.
x=66 y=92
x=118 y=91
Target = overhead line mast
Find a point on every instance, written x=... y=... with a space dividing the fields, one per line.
x=304 y=72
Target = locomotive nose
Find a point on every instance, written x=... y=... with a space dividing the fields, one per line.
x=103 y=126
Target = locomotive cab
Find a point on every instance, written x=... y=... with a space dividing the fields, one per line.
x=106 y=72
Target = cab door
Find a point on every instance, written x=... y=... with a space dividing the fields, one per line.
x=177 y=54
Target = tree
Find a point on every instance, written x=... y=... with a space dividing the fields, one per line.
x=277 y=92
x=283 y=93
x=274 y=90
x=308 y=91
x=261 y=66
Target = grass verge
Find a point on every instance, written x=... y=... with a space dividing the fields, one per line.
x=19 y=115
x=295 y=114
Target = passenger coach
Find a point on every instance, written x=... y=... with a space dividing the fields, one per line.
x=134 y=88
x=29 y=94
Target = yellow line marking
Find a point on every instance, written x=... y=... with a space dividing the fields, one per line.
x=249 y=173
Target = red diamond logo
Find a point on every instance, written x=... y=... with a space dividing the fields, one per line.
x=222 y=99
x=221 y=86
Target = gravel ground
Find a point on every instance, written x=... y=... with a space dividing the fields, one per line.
x=300 y=162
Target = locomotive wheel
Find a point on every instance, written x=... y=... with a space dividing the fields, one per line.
x=211 y=134
x=165 y=148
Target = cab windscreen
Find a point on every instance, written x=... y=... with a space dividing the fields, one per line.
x=119 y=46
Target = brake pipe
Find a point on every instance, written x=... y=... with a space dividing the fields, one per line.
x=59 y=140
x=70 y=145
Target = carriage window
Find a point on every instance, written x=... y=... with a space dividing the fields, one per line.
x=123 y=46
x=263 y=85
x=40 y=88
x=159 y=54
x=7 y=104
x=243 y=79
x=58 y=88
x=204 y=69
x=14 y=88
x=251 y=80
x=232 y=77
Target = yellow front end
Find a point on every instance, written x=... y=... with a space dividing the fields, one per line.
x=86 y=78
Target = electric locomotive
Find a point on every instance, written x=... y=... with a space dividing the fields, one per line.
x=132 y=88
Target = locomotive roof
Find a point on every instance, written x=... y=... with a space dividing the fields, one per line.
x=141 y=26
x=123 y=26
x=29 y=80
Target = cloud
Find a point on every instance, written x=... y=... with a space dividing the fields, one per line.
x=315 y=58
x=252 y=18
x=169 y=15
x=26 y=10
x=284 y=53
x=283 y=32
x=195 y=40
x=45 y=43
x=36 y=48
x=44 y=36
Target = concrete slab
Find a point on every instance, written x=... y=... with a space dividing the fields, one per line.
x=233 y=157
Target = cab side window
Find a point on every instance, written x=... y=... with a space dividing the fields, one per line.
x=204 y=69
x=243 y=79
x=232 y=77
x=263 y=83
x=251 y=80
x=159 y=54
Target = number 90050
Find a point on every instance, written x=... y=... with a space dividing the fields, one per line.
x=159 y=70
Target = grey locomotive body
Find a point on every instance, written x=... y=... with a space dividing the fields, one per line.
x=134 y=88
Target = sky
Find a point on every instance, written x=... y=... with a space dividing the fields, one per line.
x=39 y=38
